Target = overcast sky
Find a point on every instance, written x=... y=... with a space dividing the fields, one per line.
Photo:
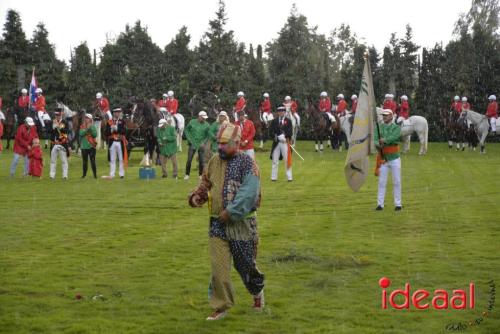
x=253 y=21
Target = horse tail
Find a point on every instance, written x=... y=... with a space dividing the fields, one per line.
x=426 y=135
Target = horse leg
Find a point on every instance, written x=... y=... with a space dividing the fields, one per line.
x=316 y=144
x=321 y=145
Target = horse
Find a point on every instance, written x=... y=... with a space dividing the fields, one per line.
x=456 y=130
x=345 y=124
x=480 y=123
x=319 y=125
x=295 y=126
x=207 y=101
x=10 y=126
x=416 y=124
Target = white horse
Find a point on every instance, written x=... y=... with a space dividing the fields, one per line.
x=416 y=124
x=345 y=126
x=480 y=123
x=295 y=126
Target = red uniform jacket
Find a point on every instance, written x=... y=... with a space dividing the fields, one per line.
x=172 y=105
x=390 y=104
x=24 y=138
x=40 y=103
x=247 y=133
x=36 y=161
x=293 y=106
x=466 y=106
x=23 y=101
x=162 y=103
x=341 y=107
x=492 y=110
x=457 y=106
x=404 y=110
x=325 y=105
x=354 y=106
x=103 y=104
x=240 y=103
x=265 y=106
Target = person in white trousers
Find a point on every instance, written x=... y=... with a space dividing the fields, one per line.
x=281 y=132
x=60 y=145
x=387 y=139
x=115 y=132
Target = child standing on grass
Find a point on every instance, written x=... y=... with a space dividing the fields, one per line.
x=36 y=159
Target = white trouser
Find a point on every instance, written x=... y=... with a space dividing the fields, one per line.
x=400 y=120
x=108 y=114
x=2 y=116
x=61 y=151
x=297 y=118
x=395 y=167
x=493 y=123
x=267 y=117
x=114 y=151
x=330 y=116
x=283 y=149
x=250 y=153
x=40 y=118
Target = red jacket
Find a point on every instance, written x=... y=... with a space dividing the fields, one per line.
x=354 y=106
x=466 y=106
x=40 y=103
x=265 y=106
x=247 y=133
x=492 y=110
x=36 y=161
x=292 y=105
x=103 y=104
x=172 y=105
x=240 y=104
x=325 y=105
x=457 y=106
x=404 y=110
x=23 y=101
x=162 y=103
x=341 y=107
x=24 y=138
x=390 y=104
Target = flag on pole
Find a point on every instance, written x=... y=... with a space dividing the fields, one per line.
x=362 y=145
x=33 y=87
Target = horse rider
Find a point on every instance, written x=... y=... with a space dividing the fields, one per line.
x=281 y=132
x=39 y=106
x=387 y=141
x=325 y=106
x=173 y=106
x=456 y=105
x=492 y=113
x=163 y=102
x=465 y=105
x=354 y=103
x=102 y=104
x=115 y=132
x=2 y=116
x=291 y=107
x=389 y=103
x=341 y=105
x=23 y=102
x=59 y=144
x=239 y=105
x=247 y=134
x=265 y=109
x=404 y=109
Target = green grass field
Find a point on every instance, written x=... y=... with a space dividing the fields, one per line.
x=137 y=253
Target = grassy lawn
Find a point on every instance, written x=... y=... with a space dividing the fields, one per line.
x=138 y=254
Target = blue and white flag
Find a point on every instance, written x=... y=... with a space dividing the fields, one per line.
x=33 y=87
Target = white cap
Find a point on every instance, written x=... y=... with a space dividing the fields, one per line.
x=38 y=90
x=24 y=91
x=456 y=98
x=29 y=121
x=202 y=114
x=287 y=98
x=323 y=94
x=354 y=96
x=492 y=97
x=387 y=112
x=170 y=93
x=223 y=113
x=162 y=121
x=387 y=96
x=164 y=95
x=340 y=96
x=88 y=116
x=266 y=95
x=404 y=98
x=117 y=110
x=391 y=96
x=98 y=95
x=464 y=99
x=240 y=94
x=163 y=109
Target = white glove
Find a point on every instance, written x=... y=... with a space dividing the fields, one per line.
x=282 y=138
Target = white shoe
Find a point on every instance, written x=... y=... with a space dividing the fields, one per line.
x=186 y=177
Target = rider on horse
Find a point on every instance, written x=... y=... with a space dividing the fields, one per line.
x=404 y=109
x=456 y=105
x=102 y=104
x=389 y=103
x=291 y=106
x=354 y=103
x=492 y=113
x=39 y=106
x=239 y=105
x=341 y=105
x=172 y=105
x=266 y=110
x=325 y=106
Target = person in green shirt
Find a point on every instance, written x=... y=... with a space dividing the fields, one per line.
x=88 y=142
x=167 y=140
x=197 y=136
x=387 y=141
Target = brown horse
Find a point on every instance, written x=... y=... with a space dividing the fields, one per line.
x=321 y=128
x=261 y=129
x=455 y=129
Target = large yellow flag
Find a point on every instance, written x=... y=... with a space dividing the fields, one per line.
x=362 y=145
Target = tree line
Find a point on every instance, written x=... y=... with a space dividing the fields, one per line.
x=300 y=62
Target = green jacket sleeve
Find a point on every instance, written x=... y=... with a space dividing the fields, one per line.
x=245 y=199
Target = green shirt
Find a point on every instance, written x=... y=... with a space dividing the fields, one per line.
x=84 y=143
x=391 y=133
x=212 y=135
x=167 y=139
x=197 y=133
